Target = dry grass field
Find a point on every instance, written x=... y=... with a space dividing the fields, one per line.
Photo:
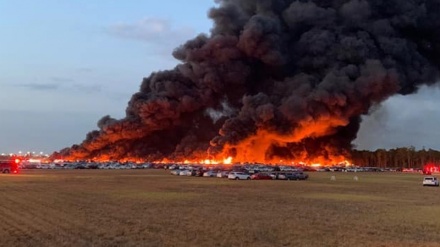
x=153 y=208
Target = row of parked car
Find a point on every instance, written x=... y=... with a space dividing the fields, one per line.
x=242 y=175
x=90 y=165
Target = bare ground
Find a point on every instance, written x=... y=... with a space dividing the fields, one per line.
x=153 y=208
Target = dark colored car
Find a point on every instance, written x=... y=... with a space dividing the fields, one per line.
x=9 y=166
x=197 y=173
x=294 y=176
x=261 y=176
x=302 y=176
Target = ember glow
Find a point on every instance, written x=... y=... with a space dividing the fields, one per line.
x=275 y=80
x=226 y=161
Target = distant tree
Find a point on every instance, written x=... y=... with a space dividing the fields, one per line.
x=404 y=157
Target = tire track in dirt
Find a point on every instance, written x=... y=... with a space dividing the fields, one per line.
x=18 y=226
x=56 y=221
x=16 y=236
x=63 y=207
x=25 y=211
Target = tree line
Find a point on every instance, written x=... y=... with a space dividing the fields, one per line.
x=405 y=157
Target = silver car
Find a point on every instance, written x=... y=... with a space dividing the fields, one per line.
x=239 y=176
x=430 y=181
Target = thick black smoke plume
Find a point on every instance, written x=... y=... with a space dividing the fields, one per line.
x=276 y=79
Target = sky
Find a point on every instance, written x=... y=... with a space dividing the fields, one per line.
x=64 y=64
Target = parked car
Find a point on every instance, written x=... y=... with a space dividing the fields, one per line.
x=261 y=176
x=210 y=173
x=172 y=167
x=192 y=173
x=223 y=174
x=199 y=173
x=274 y=175
x=239 y=176
x=185 y=173
x=302 y=176
x=293 y=176
x=175 y=172
x=430 y=181
x=280 y=175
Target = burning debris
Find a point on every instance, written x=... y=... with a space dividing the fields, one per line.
x=276 y=80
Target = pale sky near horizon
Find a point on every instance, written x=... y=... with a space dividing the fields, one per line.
x=64 y=64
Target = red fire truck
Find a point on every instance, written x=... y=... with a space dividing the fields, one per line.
x=429 y=169
x=9 y=166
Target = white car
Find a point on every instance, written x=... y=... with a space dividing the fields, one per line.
x=430 y=181
x=210 y=174
x=185 y=173
x=239 y=176
x=223 y=174
x=175 y=172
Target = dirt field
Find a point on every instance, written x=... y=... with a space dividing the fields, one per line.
x=153 y=208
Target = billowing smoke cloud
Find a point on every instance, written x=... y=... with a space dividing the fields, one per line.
x=276 y=79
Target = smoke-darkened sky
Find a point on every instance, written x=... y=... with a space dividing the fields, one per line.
x=64 y=65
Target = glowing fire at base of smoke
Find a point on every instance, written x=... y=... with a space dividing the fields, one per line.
x=225 y=161
x=230 y=161
x=304 y=160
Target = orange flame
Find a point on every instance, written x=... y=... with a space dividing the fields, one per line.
x=254 y=149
